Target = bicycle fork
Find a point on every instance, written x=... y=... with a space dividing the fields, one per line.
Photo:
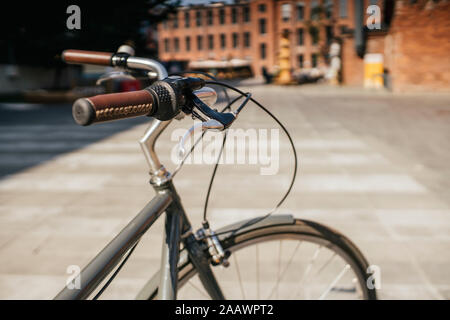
x=176 y=224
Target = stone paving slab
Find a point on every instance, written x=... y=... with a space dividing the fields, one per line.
x=374 y=166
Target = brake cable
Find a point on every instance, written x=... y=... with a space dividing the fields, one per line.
x=228 y=106
x=250 y=222
x=206 y=74
x=242 y=94
x=294 y=174
x=116 y=272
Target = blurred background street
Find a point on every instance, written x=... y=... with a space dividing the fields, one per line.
x=363 y=87
x=372 y=165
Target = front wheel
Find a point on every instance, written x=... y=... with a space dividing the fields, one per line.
x=299 y=259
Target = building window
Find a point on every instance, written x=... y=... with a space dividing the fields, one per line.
x=300 y=11
x=300 y=37
x=188 y=43
x=344 y=29
x=199 y=43
x=262 y=50
x=211 y=42
x=329 y=9
x=314 y=31
x=175 y=22
x=246 y=14
x=286 y=33
x=300 y=61
x=247 y=39
x=166 y=45
x=187 y=19
x=315 y=10
x=329 y=33
x=176 y=44
x=209 y=17
x=286 y=12
x=223 y=43
x=343 y=8
x=234 y=15
x=262 y=26
x=235 y=40
x=314 y=60
x=222 y=16
x=262 y=8
x=198 y=18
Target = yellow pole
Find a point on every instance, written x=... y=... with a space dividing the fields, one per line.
x=284 y=60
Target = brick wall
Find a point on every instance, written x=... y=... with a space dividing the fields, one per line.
x=418 y=46
x=167 y=32
x=308 y=48
x=275 y=26
x=352 y=64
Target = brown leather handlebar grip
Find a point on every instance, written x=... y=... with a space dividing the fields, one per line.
x=87 y=57
x=113 y=106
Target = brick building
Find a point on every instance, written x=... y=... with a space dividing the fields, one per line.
x=412 y=44
x=251 y=29
x=417 y=46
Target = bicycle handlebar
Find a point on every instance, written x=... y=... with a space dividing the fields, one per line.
x=162 y=100
x=120 y=59
x=88 y=57
x=114 y=106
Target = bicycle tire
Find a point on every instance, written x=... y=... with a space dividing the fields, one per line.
x=305 y=230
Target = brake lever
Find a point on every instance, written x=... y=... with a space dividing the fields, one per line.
x=226 y=119
x=211 y=119
x=207 y=125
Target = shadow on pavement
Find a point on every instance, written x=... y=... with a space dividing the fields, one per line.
x=34 y=133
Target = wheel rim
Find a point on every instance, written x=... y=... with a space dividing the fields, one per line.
x=283 y=266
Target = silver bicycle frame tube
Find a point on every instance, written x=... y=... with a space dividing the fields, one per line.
x=93 y=274
x=166 y=200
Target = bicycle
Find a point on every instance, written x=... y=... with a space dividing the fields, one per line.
x=214 y=258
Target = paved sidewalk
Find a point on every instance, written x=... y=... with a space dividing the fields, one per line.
x=374 y=166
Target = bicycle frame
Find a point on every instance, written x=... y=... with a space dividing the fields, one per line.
x=177 y=227
x=203 y=249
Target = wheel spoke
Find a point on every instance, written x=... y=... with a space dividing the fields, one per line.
x=278 y=269
x=257 y=273
x=334 y=282
x=310 y=264
x=319 y=269
x=285 y=269
x=325 y=264
x=239 y=275
x=307 y=270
